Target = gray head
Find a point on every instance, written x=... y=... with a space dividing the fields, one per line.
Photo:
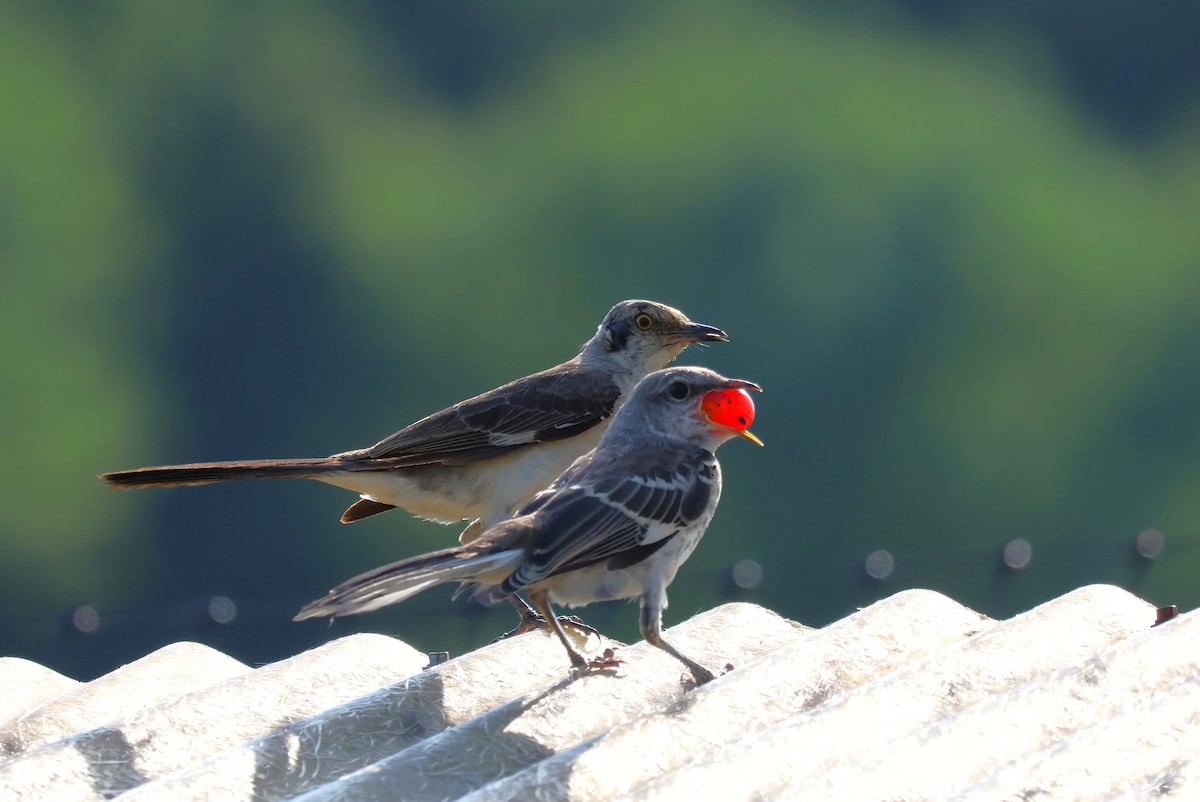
x=692 y=404
x=642 y=336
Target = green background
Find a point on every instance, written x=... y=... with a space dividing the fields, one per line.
x=958 y=244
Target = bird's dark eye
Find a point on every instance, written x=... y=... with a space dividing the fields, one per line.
x=678 y=390
x=643 y=322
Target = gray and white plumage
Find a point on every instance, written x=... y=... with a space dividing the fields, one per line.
x=483 y=457
x=617 y=524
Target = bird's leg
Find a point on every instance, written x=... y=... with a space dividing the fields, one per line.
x=580 y=665
x=651 y=626
x=532 y=619
x=541 y=600
x=529 y=617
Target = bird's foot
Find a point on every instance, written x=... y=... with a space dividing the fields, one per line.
x=523 y=626
x=699 y=675
x=531 y=620
x=576 y=623
x=607 y=660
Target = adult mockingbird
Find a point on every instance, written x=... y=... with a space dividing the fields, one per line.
x=616 y=525
x=482 y=458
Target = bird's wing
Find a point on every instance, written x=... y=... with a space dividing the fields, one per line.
x=552 y=405
x=616 y=512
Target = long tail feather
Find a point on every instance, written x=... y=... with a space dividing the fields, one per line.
x=202 y=473
x=398 y=581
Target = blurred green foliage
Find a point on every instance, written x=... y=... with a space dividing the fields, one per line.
x=957 y=246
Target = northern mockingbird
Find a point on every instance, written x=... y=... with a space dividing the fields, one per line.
x=482 y=458
x=616 y=525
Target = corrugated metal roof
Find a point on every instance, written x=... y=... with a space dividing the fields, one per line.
x=915 y=697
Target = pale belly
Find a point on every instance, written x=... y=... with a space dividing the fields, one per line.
x=599 y=583
x=488 y=490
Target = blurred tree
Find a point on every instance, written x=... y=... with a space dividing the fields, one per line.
x=962 y=270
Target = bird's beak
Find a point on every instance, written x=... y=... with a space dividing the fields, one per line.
x=731 y=408
x=751 y=436
x=700 y=333
x=742 y=384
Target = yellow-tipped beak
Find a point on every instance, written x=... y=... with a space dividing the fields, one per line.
x=749 y=435
x=753 y=438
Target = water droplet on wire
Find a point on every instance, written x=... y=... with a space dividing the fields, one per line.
x=1018 y=554
x=879 y=564
x=222 y=610
x=1150 y=544
x=85 y=619
x=747 y=574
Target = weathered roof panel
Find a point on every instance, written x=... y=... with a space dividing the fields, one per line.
x=535 y=726
x=915 y=722
x=914 y=697
x=27 y=685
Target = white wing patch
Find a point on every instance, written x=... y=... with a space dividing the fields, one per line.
x=507 y=440
x=655 y=528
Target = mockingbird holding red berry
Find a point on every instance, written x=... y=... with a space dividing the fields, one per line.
x=484 y=457
x=616 y=525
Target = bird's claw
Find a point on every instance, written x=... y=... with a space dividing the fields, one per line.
x=607 y=660
x=703 y=676
x=578 y=624
x=527 y=623
x=533 y=621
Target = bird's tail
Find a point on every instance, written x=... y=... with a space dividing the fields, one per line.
x=202 y=473
x=398 y=581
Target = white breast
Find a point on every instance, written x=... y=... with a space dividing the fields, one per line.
x=489 y=490
x=599 y=583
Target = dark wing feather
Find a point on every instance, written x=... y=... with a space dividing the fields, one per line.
x=604 y=512
x=638 y=553
x=552 y=405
